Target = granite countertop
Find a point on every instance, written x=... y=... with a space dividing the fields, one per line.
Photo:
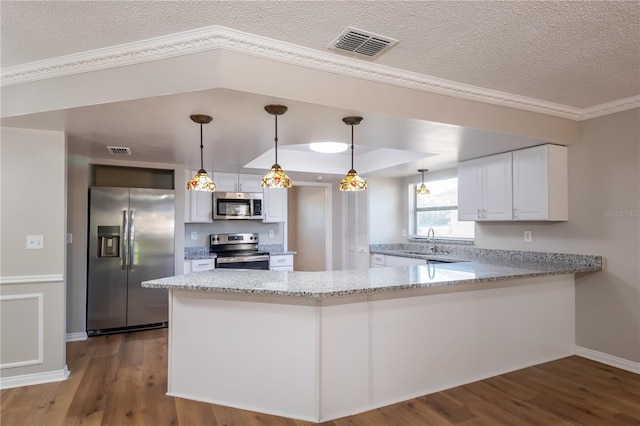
x=348 y=282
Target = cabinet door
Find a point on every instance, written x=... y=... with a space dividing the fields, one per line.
x=275 y=205
x=249 y=183
x=200 y=205
x=540 y=183
x=497 y=195
x=470 y=190
x=226 y=182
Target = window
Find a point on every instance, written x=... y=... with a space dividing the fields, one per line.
x=439 y=210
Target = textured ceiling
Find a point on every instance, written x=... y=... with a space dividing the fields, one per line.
x=574 y=53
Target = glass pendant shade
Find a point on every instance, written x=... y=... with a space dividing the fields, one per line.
x=422 y=189
x=276 y=177
x=352 y=182
x=201 y=181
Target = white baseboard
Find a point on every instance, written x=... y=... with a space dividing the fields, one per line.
x=74 y=337
x=613 y=361
x=34 y=379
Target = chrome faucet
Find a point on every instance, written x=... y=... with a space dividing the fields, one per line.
x=431 y=234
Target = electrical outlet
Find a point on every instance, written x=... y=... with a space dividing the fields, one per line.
x=194 y=236
x=527 y=236
x=404 y=232
x=69 y=238
x=271 y=233
x=35 y=242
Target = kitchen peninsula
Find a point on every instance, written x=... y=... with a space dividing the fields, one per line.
x=323 y=345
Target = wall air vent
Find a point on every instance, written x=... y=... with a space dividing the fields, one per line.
x=119 y=150
x=362 y=43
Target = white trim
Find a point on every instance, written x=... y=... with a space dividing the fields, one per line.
x=34 y=379
x=74 y=337
x=217 y=37
x=613 y=361
x=31 y=279
x=40 y=300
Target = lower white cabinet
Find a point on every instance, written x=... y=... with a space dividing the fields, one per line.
x=199 y=265
x=281 y=262
x=381 y=260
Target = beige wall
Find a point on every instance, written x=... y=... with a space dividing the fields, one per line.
x=32 y=281
x=604 y=200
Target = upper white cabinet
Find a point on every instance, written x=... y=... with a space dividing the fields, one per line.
x=274 y=205
x=527 y=184
x=198 y=204
x=541 y=183
x=485 y=188
x=237 y=182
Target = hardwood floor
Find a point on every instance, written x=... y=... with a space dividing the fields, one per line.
x=121 y=380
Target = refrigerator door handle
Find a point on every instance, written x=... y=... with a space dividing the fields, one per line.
x=124 y=239
x=132 y=234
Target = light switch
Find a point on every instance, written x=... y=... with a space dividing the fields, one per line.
x=194 y=235
x=270 y=233
x=527 y=236
x=35 y=242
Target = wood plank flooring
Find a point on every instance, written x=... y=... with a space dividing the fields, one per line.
x=121 y=379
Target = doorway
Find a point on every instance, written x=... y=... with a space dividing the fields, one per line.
x=309 y=226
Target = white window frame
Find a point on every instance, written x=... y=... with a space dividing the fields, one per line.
x=413 y=210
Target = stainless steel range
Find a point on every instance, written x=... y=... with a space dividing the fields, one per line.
x=238 y=251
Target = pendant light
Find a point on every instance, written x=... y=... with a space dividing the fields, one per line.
x=352 y=182
x=276 y=177
x=422 y=189
x=201 y=181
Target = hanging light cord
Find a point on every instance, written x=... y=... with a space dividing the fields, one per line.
x=276 y=138
x=422 y=177
x=201 y=147
x=352 y=147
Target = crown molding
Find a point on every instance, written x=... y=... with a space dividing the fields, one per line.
x=217 y=37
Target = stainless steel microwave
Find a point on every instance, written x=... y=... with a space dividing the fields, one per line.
x=237 y=205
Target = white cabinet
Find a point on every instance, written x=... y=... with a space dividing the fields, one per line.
x=378 y=260
x=237 y=182
x=281 y=262
x=485 y=188
x=199 y=265
x=274 y=205
x=541 y=183
x=198 y=204
x=381 y=260
x=403 y=261
x=527 y=184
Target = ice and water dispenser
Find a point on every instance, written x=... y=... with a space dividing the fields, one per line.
x=108 y=241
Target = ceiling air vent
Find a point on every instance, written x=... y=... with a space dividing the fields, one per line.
x=119 y=150
x=362 y=43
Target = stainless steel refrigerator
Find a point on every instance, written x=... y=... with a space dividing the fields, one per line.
x=131 y=239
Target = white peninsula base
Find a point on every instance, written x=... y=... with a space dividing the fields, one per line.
x=319 y=359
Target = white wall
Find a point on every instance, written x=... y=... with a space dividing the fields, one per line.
x=604 y=205
x=32 y=282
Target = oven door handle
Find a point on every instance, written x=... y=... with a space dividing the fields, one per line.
x=237 y=259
